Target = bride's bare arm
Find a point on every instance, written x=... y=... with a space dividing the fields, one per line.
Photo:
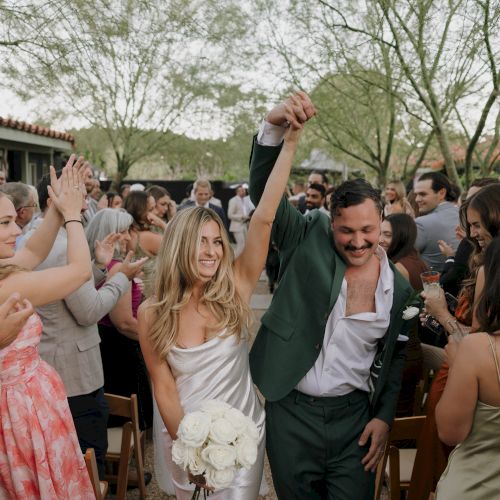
x=164 y=388
x=248 y=267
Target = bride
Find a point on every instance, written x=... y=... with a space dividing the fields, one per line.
x=191 y=330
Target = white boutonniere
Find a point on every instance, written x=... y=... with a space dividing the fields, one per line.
x=410 y=312
x=411 y=308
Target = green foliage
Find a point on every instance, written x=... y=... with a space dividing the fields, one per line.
x=135 y=70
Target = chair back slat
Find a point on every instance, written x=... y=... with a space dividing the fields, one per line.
x=119 y=405
x=407 y=428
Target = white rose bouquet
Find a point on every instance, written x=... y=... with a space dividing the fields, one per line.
x=214 y=442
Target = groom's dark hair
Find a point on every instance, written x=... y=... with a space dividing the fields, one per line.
x=354 y=192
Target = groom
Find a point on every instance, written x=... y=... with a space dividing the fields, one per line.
x=330 y=352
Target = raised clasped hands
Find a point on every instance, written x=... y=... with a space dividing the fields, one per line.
x=378 y=432
x=294 y=111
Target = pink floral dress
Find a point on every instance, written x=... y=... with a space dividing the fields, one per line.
x=39 y=452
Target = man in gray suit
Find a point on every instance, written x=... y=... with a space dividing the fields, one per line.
x=70 y=339
x=438 y=218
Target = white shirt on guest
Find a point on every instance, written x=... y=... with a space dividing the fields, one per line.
x=350 y=342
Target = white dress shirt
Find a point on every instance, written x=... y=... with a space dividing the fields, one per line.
x=269 y=134
x=350 y=342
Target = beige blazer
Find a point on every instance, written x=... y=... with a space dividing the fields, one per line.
x=70 y=338
x=236 y=214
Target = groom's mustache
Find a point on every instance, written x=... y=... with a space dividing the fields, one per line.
x=353 y=248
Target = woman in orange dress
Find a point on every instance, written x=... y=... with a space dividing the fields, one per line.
x=40 y=456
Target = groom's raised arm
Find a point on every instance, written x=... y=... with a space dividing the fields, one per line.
x=265 y=150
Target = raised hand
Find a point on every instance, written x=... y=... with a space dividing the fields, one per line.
x=105 y=249
x=154 y=220
x=72 y=162
x=130 y=269
x=14 y=313
x=446 y=249
x=296 y=110
x=69 y=199
x=172 y=209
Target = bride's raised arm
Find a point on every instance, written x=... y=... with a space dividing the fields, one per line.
x=296 y=110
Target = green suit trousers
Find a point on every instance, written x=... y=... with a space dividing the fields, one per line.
x=313 y=450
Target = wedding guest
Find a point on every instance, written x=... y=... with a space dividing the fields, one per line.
x=202 y=192
x=468 y=414
x=39 y=452
x=165 y=207
x=124 y=190
x=457 y=263
x=144 y=241
x=398 y=233
x=110 y=200
x=483 y=224
x=438 y=217
x=123 y=366
x=395 y=199
x=239 y=218
x=193 y=329
x=24 y=201
x=70 y=339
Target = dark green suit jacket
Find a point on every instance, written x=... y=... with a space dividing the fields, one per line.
x=311 y=274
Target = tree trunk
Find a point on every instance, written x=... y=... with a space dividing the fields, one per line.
x=449 y=162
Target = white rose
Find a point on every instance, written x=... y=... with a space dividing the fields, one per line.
x=219 y=456
x=252 y=430
x=222 y=431
x=410 y=312
x=194 y=429
x=246 y=451
x=214 y=408
x=180 y=453
x=187 y=457
x=195 y=463
x=237 y=419
x=219 y=479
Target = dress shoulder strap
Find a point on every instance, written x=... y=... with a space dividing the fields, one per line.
x=492 y=345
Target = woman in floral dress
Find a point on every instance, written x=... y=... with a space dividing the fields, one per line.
x=39 y=452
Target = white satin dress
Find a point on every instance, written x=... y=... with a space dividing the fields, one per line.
x=217 y=369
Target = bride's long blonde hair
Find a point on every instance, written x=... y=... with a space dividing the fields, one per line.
x=177 y=273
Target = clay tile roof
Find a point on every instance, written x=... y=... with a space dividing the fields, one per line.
x=36 y=129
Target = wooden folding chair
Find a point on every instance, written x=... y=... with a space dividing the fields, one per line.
x=100 y=487
x=125 y=441
x=398 y=462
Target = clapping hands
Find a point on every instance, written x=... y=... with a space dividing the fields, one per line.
x=104 y=250
x=66 y=192
x=130 y=269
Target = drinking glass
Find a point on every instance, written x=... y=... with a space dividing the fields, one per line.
x=430 y=281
